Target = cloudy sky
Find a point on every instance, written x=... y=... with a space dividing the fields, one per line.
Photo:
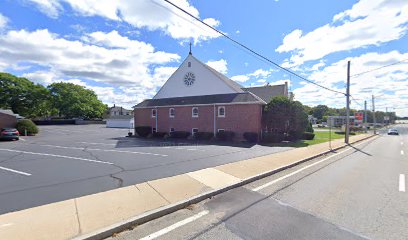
x=125 y=50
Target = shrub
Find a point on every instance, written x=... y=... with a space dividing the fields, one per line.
x=294 y=136
x=251 y=136
x=309 y=128
x=308 y=136
x=27 y=125
x=143 y=131
x=179 y=134
x=225 y=135
x=273 y=137
x=203 y=135
x=158 y=134
x=343 y=133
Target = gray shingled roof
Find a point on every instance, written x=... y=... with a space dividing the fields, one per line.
x=245 y=97
x=267 y=92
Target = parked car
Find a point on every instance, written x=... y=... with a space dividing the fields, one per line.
x=393 y=132
x=9 y=134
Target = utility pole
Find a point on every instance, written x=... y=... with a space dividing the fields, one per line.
x=374 y=116
x=365 y=115
x=347 y=135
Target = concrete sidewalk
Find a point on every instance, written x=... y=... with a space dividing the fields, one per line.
x=85 y=216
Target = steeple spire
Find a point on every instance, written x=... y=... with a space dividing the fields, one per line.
x=190 y=49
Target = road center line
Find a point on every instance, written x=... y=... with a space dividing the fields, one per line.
x=175 y=226
x=106 y=150
x=15 y=171
x=54 y=155
x=300 y=170
x=402 y=183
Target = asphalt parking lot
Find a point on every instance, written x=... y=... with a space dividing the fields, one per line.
x=64 y=162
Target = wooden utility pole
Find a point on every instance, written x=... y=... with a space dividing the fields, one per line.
x=374 y=120
x=347 y=135
x=365 y=116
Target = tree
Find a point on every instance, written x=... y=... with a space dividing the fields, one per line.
x=319 y=111
x=285 y=116
x=24 y=97
x=76 y=101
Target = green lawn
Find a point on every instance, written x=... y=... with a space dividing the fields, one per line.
x=320 y=137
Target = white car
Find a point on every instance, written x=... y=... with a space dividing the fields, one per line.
x=393 y=132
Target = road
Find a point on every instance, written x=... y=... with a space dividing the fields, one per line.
x=64 y=162
x=354 y=194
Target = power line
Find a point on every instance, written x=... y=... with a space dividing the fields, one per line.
x=375 y=69
x=252 y=51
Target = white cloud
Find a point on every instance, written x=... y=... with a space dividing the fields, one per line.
x=240 y=78
x=106 y=58
x=220 y=65
x=3 y=21
x=149 y=14
x=391 y=83
x=367 y=23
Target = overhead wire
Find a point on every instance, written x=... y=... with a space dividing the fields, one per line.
x=376 y=69
x=253 y=51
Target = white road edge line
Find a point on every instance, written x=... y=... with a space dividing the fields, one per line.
x=105 y=150
x=175 y=226
x=402 y=152
x=300 y=170
x=54 y=155
x=402 y=183
x=15 y=171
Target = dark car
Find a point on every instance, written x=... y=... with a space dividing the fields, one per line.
x=393 y=132
x=9 y=134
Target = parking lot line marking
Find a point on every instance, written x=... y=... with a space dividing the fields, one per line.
x=300 y=170
x=402 y=183
x=107 y=144
x=402 y=143
x=15 y=171
x=54 y=155
x=402 y=152
x=106 y=150
x=175 y=226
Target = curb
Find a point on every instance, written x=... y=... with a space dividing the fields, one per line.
x=162 y=211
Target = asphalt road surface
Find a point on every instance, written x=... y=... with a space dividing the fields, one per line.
x=63 y=162
x=357 y=193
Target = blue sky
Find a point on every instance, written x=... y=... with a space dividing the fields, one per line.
x=125 y=50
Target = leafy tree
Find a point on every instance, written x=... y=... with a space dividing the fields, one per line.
x=319 y=111
x=285 y=116
x=24 y=97
x=76 y=101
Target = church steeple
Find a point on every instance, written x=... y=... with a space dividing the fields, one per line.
x=190 y=49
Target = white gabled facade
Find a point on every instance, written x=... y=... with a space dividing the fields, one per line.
x=194 y=78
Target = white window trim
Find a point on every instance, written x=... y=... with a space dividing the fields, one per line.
x=219 y=111
x=173 y=129
x=174 y=111
x=154 y=130
x=220 y=129
x=192 y=112
x=192 y=131
x=154 y=110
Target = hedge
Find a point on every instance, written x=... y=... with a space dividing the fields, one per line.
x=225 y=135
x=343 y=133
x=273 y=137
x=158 y=134
x=251 y=136
x=308 y=136
x=179 y=134
x=143 y=131
x=26 y=125
x=203 y=135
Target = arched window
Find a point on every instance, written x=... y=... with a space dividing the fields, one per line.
x=172 y=112
x=221 y=111
x=194 y=112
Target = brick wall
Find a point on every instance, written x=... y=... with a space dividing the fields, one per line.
x=7 y=120
x=238 y=118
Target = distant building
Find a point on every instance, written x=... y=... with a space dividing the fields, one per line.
x=119 y=111
x=197 y=98
x=339 y=121
x=312 y=119
x=8 y=118
x=119 y=117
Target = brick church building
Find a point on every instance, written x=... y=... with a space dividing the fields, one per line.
x=197 y=98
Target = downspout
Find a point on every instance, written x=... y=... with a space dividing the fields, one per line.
x=261 y=123
x=157 y=116
x=215 y=124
